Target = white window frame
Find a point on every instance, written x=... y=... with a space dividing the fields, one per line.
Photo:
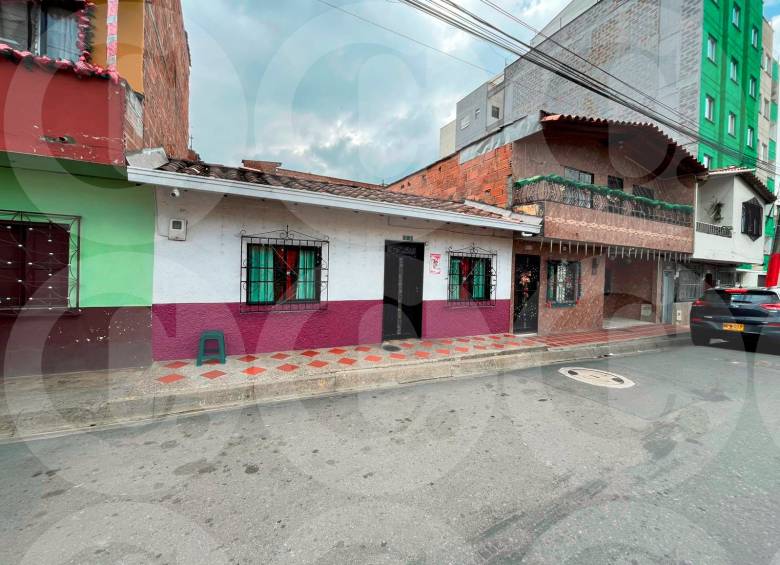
x=709 y=108
x=732 y=124
x=751 y=137
x=734 y=69
x=736 y=16
x=712 y=49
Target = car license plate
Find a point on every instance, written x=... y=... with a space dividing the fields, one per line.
x=734 y=327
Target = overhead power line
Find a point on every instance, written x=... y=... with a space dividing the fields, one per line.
x=455 y=15
x=524 y=88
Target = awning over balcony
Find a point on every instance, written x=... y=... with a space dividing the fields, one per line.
x=649 y=146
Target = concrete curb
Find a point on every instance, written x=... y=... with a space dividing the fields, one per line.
x=137 y=409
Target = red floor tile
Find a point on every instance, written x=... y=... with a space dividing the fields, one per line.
x=279 y=356
x=338 y=351
x=287 y=368
x=212 y=362
x=446 y=342
x=463 y=340
x=513 y=344
x=373 y=358
x=462 y=349
x=398 y=356
x=247 y=358
x=496 y=337
x=213 y=375
x=443 y=351
x=318 y=364
x=172 y=378
x=477 y=338
x=252 y=371
x=407 y=345
x=363 y=349
x=422 y=354
x=310 y=353
x=347 y=361
x=498 y=346
x=427 y=344
x=480 y=347
x=176 y=365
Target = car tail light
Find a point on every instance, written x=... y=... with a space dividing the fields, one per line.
x=699 y=302
x=697 y=320
x=771 y=307
x=737 y=290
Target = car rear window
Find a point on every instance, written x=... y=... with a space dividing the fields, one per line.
x=750 y=297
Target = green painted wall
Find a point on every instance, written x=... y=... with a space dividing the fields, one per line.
x=730 y=96
x=117 y=228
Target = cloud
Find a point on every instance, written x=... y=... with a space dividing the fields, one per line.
x=315 y=88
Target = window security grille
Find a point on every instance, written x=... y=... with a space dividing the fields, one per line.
x=39 y=261
x=283 y=271
x=471 y=277
x=563 y=283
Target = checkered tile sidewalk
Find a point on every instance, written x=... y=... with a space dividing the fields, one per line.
x=184 y=374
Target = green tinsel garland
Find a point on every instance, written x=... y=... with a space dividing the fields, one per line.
x=605 y=191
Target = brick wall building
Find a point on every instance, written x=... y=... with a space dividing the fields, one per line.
x=166 y=61
x=609 y=248
x=486 y=178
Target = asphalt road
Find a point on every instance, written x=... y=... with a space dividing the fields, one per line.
x=527 y=467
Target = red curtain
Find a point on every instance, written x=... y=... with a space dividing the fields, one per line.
x=465 y=278
x=291 y=268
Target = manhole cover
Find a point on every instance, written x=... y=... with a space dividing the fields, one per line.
x=596 y=377
x=391 y=348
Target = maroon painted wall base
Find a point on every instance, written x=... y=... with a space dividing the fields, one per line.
x=177 y=327
x=442 y=319
x=93 y=339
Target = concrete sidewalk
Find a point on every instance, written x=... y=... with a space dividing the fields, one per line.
x=62 y=403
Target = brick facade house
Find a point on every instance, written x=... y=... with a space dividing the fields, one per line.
x=617 y=200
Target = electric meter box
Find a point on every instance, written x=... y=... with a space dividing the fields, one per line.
x=177 y=230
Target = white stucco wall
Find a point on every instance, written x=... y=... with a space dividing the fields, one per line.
x=206 y=268
x=732 y=191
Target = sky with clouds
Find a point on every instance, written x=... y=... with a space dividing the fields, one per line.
x=305 y=83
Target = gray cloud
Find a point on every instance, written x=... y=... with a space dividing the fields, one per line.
x=302 y=83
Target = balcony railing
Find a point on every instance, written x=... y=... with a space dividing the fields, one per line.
x=720 y=231
x=562 y=191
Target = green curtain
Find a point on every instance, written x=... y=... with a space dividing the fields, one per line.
x=454 y=291
x=261 y=274
x=478 y=292
x=306 y=287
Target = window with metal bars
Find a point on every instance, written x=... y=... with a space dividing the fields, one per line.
x=690 y=285
x=38 y=261
x=283 y=273
x=752 y=219
x=471 y=277
x=563 y=283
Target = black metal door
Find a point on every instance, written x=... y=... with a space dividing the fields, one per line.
x=526 y=314
x=402 y=316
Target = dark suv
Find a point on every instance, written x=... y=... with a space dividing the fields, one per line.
x=729 y=312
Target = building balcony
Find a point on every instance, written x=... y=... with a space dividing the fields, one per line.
x=586 y=213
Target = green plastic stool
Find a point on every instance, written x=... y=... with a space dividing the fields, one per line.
x=206 y=354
